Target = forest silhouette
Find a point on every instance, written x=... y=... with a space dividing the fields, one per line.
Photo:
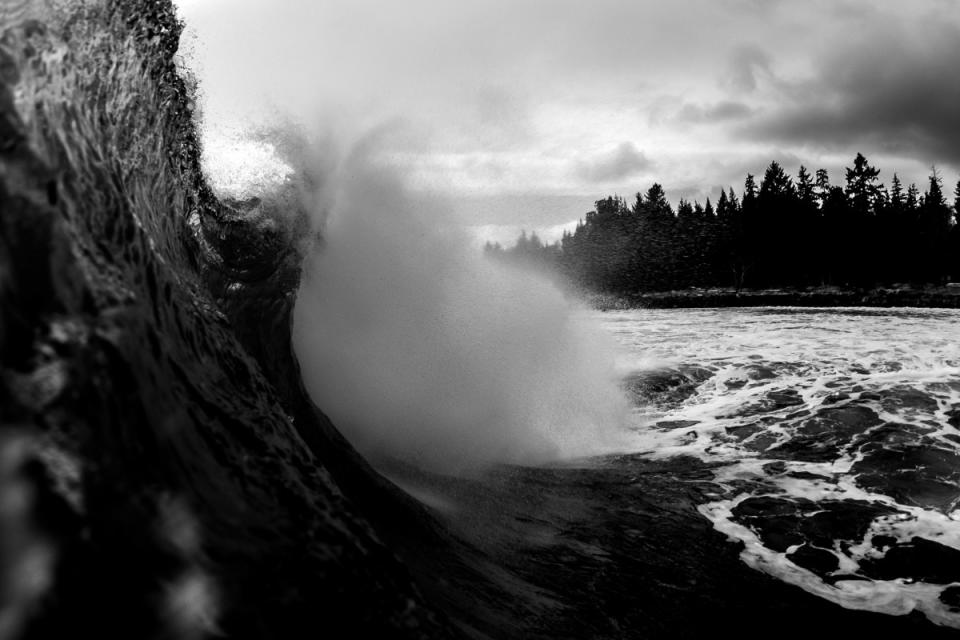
x=784 y=232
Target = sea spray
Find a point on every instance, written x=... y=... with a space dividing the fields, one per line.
x=421 y=349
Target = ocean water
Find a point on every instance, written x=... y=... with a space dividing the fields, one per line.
x=833 y=436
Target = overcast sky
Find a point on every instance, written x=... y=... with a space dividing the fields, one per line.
x=527 y=111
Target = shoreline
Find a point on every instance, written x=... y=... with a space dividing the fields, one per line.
x=929 y=298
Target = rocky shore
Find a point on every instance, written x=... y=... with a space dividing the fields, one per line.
x=945 y=297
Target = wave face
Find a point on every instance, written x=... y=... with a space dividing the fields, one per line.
x=836 y=439
x=155 y=482
x=423 y=350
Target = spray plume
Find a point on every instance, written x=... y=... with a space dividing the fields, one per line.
x=421 y=349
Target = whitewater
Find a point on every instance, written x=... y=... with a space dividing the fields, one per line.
x=833 y=436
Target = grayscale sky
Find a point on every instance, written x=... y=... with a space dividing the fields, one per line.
x=525 y=111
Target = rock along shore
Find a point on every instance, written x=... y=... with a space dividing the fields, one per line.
x=932 y=297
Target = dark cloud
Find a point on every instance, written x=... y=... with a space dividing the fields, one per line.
x=894 y=90
x=497 y=96
x=623 y=162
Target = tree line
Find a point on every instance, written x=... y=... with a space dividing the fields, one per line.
x=784 y=232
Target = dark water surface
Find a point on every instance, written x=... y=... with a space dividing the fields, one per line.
x=793 y=471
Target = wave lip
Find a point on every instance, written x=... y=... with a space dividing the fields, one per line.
x=175 y=488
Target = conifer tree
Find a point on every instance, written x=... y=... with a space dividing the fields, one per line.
x=805 y=188
x=862 y=187
x=723 y=205
x=808 y=234
x=776 y=183
x=772 y=232
x=912 y=202
x=749 y=189
x=934 y=215
x=896 y=193
x=657 y=204
x=733 y=204
x=954 y=261
x=934 y=198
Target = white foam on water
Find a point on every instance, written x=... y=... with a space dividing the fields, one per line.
x=832 y=359
x=892 y=597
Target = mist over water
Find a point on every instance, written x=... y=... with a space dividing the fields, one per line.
x=421 y=349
